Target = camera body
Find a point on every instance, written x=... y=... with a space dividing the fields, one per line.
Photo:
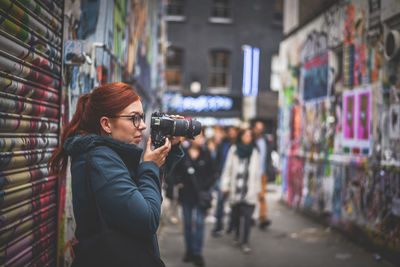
x=163 y=126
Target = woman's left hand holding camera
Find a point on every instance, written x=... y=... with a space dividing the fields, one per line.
x=157 y=155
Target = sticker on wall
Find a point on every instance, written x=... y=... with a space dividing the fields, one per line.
x=348 y=34
x=363 y=118
x=374 y=20
x=348 y=118
x=311 y=125
x=314 y=78
x=394 y=128
x=373 y=65
x=360 y=65
x=348 y=65
x=295 y=181
x=356 y=135
x=295 y=128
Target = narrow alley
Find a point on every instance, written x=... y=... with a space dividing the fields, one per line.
x=292 y=240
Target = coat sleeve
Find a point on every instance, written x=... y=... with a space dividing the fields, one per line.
x=174 y=157
x=132 y=207
x=226 y=177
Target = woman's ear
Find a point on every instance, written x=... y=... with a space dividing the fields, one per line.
x=105 y=125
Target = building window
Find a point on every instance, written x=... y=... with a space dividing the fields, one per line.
x=219 y=70
x=221 y=12
x=174 y=68
x=175 y=10
x=276 y=70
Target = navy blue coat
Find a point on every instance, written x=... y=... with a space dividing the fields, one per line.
x=128 y=192
x=204 y=174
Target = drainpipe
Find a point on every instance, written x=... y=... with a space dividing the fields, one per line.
x=93 y=54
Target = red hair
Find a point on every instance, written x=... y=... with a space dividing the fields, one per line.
x=106 y=100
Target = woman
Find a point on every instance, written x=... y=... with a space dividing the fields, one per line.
x=193 y=174
x=102 y=140
x=241 y=179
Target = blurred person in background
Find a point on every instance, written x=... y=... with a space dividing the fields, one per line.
x=195 y=179
x=271 y=157
x=171 y=195
x=212 y=147
x=231 y=133
x=261 y=142
x=240 y=181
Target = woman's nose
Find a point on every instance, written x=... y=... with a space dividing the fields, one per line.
x=143 y=125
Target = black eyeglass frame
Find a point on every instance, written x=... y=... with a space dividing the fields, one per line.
x=133 y=118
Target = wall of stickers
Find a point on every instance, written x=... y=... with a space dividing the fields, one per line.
x=31 y=101
x=339 y=122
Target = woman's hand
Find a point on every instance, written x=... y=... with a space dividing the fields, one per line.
x=176 y=139
x=157 y=155
x=176 y=117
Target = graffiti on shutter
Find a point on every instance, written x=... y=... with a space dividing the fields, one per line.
x=30 y=92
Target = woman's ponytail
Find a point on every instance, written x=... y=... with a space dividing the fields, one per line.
x=58 y=161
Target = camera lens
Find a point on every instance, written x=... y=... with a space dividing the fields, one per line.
x=194 y=128
x=181 y=127
x=189 y=128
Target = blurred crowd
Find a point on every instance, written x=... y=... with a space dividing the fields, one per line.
x=223 y=177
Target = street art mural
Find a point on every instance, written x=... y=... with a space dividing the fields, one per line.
x=314 y=71
x=295 y=128
x=294 y=181
x=315 y=78
x=339 y=125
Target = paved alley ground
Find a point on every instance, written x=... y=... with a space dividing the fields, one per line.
x=292 y=240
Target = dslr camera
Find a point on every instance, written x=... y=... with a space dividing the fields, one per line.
x=163 y=126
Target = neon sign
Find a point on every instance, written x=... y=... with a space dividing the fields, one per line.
x=251 y=62
x=201 y=103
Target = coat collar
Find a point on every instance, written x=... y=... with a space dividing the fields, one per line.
x=78 y=144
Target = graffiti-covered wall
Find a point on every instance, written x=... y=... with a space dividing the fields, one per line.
x=108 y=41
x=339 y=119
x=122 y=40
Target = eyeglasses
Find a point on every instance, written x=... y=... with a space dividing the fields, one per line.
x=136 y=118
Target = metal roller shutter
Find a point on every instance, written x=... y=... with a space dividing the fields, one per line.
x=30 y=93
